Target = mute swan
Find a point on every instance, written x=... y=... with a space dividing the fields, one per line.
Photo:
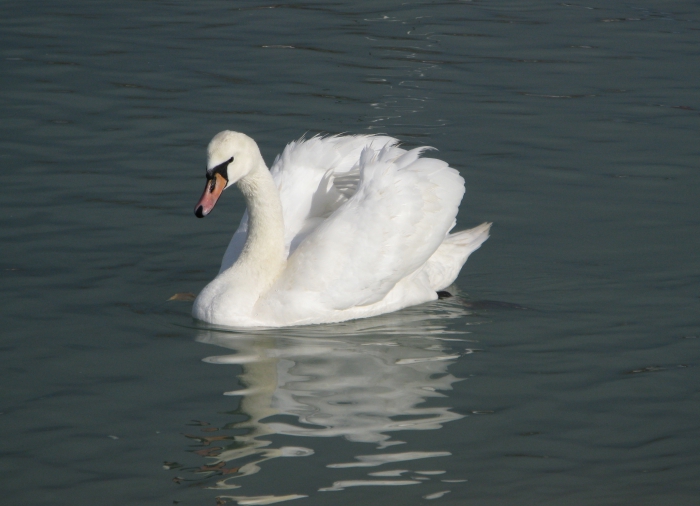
x=342 y=227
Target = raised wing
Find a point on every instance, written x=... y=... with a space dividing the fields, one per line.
x=398 y=217
x=305 y=172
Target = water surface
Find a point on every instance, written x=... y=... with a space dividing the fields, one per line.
x=575 y=126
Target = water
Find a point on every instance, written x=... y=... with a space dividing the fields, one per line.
x=575 y=126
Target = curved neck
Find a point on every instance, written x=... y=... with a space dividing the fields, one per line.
x=265 y=222
x=263 y=256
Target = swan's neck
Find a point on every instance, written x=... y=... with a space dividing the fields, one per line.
x=265 y=243
x=263 y=256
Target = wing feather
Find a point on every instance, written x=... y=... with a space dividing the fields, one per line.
x=402 y=210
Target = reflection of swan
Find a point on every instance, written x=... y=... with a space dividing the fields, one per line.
x=362 y=380
x=341 y=228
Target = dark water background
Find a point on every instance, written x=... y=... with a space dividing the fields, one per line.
x=576 y=127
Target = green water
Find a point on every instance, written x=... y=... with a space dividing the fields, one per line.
x=576 y=128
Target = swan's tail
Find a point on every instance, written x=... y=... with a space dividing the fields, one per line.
x=471 y=239
x=444 y=265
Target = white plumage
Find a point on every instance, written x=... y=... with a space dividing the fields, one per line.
x=341 y=227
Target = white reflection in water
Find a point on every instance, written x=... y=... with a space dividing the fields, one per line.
x=362 y=380
x=394 y=472
x=262 y=499
x=436 y=495
x=341 y=485
x=378 y=460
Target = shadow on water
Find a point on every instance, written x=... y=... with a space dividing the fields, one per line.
x=365 y=381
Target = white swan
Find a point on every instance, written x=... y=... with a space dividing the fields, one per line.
x=342 y=227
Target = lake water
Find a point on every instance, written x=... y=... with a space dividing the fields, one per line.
x=576 y=127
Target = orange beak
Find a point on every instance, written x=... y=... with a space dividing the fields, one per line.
x=211 y=194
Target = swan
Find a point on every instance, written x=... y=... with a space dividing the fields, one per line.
x=341 y=227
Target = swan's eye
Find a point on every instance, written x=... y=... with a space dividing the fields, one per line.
x=219 y=169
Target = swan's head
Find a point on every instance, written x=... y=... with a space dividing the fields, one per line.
x=230 y=157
